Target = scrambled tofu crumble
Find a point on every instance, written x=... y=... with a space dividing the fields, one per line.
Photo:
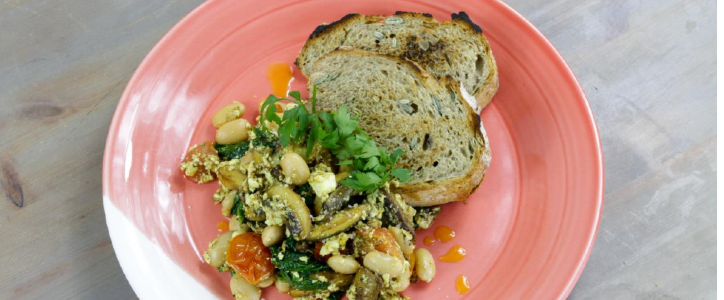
x=285 y=231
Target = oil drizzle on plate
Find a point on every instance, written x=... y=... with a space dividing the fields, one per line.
x=223 y=226
x=429 y=241
x=462 y=284
x=280 y=75
x=455 y=254
x=444 y=234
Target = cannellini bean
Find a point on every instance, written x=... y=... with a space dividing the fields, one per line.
x=343 y=264
x=424 y=265
x=227 y=204
x=272 y=235
x=281 y=285
x=402 y=282
x=295 y=168
x=382 y=263
x=243 y=290
x=236 y=226
x=216 y=254
x=234 y=223
x=406 y=246
x=267 y=282
x=233 y=132
x=228 y=113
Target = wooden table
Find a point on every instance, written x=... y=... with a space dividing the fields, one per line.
x=648 y=68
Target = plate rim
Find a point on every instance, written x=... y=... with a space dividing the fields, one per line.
x=546 y=45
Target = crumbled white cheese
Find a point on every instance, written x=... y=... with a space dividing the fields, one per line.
x=322 y=181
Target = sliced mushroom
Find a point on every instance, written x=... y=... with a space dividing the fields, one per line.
x=341 y=281
x=340 y=222
x=395 y=213
x=232 y=178
x=298 y=219
x=299 y=293
x=367 y=285
x=253 y=214
x=337 y=200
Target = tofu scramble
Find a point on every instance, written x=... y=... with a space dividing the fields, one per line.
x=310 y=210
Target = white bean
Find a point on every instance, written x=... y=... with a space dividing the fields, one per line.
x=405 y=246
x=343 y=264
x=281 y=285
x=234 y=223
x=267 y=282
x=228 y=113
x=295 y=168
x=424 y=264
x=228 y=203
x=272 y=235
x=382 y=263
x=216 y=254
x=243 y=290
x=403 y=281
x=233 y=132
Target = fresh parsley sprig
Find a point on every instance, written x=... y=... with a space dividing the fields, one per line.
x=339 y=132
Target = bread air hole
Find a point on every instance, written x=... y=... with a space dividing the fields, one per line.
x=479 y=64
x=427 y=142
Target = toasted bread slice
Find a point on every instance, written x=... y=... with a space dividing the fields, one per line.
x=454 y=48
x=401 y=106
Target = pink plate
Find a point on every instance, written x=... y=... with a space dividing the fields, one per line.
x=528 y=230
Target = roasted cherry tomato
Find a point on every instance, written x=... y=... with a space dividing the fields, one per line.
x=380 y=239
x=196 y=160
x=249 y=258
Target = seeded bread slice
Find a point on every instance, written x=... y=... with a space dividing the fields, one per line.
x=402 y=106
x=454 y=48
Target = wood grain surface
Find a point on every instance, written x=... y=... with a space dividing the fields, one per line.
x=648 y=69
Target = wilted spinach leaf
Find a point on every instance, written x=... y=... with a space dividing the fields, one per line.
x=307 y=194
x=296 y=266
x=263 y=138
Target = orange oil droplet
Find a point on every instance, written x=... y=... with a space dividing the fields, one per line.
x=223 y=226
x=444 y=233
x=429 y=241
x=462 y=284
x=280 y=75
x=455 y=254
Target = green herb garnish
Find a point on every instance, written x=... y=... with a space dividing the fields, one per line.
x=338 y=132
x=296 y=266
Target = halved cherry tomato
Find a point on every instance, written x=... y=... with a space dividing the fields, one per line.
x=382 y=240
x=317 y=249
x=201 y=152
x=249 y=258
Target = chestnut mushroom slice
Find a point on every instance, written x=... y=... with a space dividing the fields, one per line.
x=336 y=200
x=340 y=222
x=395 y=213
x=298 y=219
x=341 y=281
x=254 y=214
x=231 y=177
x=367 y=285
